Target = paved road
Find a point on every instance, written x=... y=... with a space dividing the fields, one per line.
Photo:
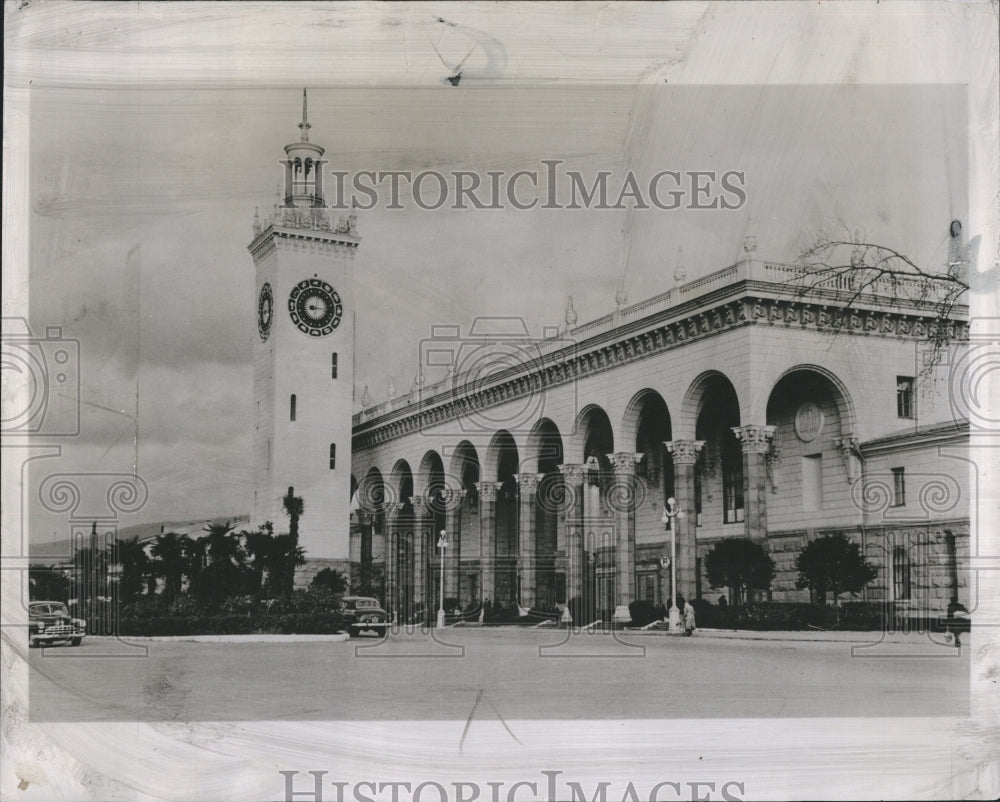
x=525 y=674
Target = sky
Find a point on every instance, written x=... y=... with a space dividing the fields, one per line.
x=172 y=174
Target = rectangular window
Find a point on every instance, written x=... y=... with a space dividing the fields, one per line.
x=333 y=366
x=812 y=482
x=291 y=408
x=333 y=456
x=904 y=396
x=898 y=487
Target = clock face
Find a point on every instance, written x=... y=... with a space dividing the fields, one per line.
x=265 y=311
x=315 y=307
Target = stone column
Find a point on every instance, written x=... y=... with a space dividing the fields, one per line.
x=452 y=499
x=392 y=581
x=527 y=490
x=488 y=536
x=421 y=528
x=684 y=454
x=366 y=560
x=621 y=501
x=572 y=513
x=755 y=439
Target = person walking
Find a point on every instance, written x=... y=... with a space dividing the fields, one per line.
x=687 y=616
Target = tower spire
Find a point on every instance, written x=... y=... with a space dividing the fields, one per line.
x=304 y=125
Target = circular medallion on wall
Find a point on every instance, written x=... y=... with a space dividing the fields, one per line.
x=265 y=311
x=315 y=307
x=808 y=421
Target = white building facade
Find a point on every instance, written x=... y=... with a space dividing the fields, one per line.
x=765 y=411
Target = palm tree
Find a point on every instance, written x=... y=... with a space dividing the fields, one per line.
x=259 y=546
x=169 y=552
x=131 y=555
x=294 y=508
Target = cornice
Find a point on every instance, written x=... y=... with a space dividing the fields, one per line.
x=691 y=323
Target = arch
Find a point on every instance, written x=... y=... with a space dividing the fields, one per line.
x=430 y=474
x=544 y=448
x=646 y=426
x=371 y=491
x=464 y=458
x=837 y=388
x=400 y=483
x=591 y=431
x=713 y=401
x=501 y=451
x=706 y=386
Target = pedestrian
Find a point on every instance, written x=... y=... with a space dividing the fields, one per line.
x=688 y=616
x=958 y=616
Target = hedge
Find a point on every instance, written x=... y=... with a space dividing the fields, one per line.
x=285 y=623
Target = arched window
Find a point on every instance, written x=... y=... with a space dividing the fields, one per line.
x=900 y=574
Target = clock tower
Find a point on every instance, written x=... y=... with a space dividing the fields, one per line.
x=304 y=358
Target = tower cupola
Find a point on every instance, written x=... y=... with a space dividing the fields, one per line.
x=304 y=167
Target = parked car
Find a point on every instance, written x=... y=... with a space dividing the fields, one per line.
x=363 y=613
x=50 y=622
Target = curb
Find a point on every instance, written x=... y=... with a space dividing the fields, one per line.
x=259 y=638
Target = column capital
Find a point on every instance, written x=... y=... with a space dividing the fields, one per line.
x=488 y=490
x=366 y=517
x=391 y=508
x=527 y=483
x=452 y=497
x=419 y=505
x=572 y=473
x=684 y=452
x=624 y=462
x=755 y=438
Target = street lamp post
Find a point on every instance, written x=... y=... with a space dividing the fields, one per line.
x=442 y=544
x=670 y=512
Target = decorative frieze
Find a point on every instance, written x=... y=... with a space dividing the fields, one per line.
x=571 y=364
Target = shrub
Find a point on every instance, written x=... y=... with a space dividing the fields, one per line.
x=642 y=612
x=741 y=564
x=833 y=563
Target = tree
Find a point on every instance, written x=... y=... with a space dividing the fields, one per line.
x=849 y=269
x=741 y=565
x=833 y=563
x=294 y=507
x=259 y=546
x=171 y=559
x=330 y=580
x=48 y=584
x=130 y=554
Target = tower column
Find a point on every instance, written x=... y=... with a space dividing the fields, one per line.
x=621 y=500
x=488 y=536
x=421 y=532
x=572 y=514
x=755 y=440
x=527 y=489
x=684 y=454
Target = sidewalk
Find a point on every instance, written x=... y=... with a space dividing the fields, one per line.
x=837 y=636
